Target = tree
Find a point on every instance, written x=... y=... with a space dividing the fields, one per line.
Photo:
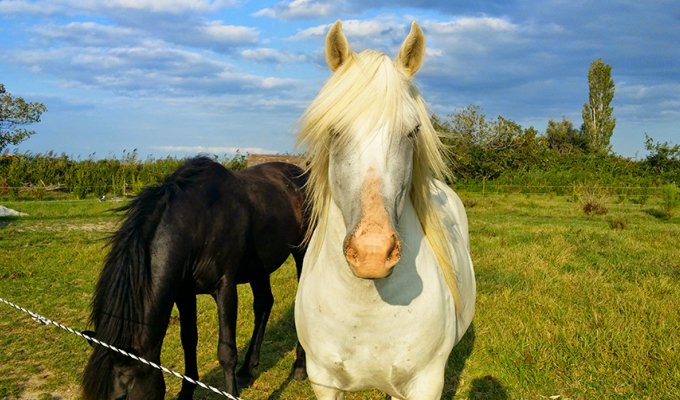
x=598 y=123
x=663 y=158
x=15 y=112
x=487 y=148
x=563 y=137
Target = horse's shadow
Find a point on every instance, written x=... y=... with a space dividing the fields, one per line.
x=454 y=368
x=487 y=387
x=280 y=339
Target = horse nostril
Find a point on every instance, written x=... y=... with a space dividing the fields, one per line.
x=394 y=254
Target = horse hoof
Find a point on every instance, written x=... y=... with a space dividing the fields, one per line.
x=299 y=373
x=184 y=396
x=244 y=380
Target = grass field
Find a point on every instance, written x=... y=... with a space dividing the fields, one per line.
x=568 y=305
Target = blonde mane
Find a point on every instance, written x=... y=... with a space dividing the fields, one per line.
x=369 y=87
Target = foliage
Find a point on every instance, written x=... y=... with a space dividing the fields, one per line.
x=598 y=123
x=14 y=113
x=592 y=199
x=36 y=174
x=484 y=149
x=561 y=136
x=670 y=196
x=663 y=159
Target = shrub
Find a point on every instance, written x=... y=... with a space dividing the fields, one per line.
x=669 y=199
x=592 y=199
x=617 y=223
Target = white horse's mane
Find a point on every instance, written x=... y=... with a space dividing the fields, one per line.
x=368 y=87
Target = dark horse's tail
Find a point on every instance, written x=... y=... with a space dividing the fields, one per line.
x=122 y=289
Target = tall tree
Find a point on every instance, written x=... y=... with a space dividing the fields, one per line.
x=598 y=123
x=14 y=113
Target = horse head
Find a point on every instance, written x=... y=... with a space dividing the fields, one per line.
x=368 y=118
x=114 y=376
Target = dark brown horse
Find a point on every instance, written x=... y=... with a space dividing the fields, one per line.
x=205 y=229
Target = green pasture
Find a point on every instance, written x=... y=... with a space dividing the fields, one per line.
x=569 y=306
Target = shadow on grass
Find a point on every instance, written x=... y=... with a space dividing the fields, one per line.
x=487 y=388
x=456 y=363
x=658 y=214
x=279 y=339
x=7 y=220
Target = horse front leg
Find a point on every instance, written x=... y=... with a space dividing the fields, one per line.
x=263 y=300
x=227 y=305
x=300 y=364
x=186 y=305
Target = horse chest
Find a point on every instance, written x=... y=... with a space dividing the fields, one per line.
x=360 y=334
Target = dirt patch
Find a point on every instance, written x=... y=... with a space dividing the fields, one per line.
x=31 y=389
x=106 y=226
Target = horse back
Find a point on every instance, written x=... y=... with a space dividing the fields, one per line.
x=275 y=193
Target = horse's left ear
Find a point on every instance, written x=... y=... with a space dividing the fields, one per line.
x=412 y=51
x=337 y=47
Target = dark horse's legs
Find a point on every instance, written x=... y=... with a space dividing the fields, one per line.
x=186 y=305
x=227 y=303
x=300 y=365
x=263 y=300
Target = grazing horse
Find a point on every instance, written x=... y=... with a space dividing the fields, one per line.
x=203 y=230
x=388 y=286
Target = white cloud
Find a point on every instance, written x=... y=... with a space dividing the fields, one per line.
x=30 y=7
x=214 y=149
x=169 y=6
x=468 y=24
x=362 y=33
x=272 y=55
x=87 y=33
x=151 y=68
x=231 y=34
x=300 y=9
x=70 y=7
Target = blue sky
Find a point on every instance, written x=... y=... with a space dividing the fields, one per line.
x=179 y=77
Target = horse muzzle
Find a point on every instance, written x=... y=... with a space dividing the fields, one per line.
x=372 y=255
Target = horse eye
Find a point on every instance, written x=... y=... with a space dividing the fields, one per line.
x=414 y=132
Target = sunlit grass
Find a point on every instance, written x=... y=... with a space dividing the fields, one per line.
x=566 y=305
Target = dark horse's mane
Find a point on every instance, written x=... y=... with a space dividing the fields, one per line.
x=122 y=288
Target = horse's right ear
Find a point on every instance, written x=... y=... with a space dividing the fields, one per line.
x=89 y=334
x=337 y=47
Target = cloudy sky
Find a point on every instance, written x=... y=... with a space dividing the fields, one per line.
x=178 y=77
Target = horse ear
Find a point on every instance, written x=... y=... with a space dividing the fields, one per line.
x=337 y=47
x=412 y=51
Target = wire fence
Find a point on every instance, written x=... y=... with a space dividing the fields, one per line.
x=46 y=321
x=575 y=189
x=477 y=187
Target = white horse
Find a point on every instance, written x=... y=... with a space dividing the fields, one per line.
x=387 y=287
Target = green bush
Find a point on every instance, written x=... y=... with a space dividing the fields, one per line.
x=31 y=174
x=669 y=199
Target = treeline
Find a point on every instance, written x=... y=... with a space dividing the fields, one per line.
x=496 y=153
x=504 y=152
x=40 y=175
